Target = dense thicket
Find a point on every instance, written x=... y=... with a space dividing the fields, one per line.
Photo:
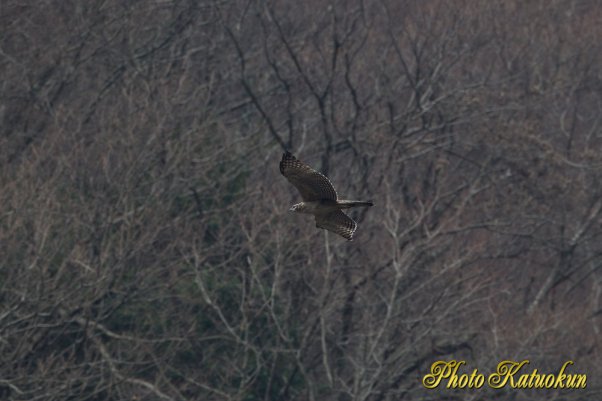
x=147 y=252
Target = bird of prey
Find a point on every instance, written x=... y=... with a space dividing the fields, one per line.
x=319 y=197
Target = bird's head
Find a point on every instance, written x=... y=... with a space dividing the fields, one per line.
x=297 y=208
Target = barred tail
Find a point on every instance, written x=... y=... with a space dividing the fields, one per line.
x=348 y=203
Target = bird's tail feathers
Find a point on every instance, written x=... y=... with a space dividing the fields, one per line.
x=350 y=203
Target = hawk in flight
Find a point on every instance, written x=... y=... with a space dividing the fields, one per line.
x=319 y=197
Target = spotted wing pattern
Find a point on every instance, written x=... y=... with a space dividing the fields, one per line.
x=311 y=184
x=337 y=222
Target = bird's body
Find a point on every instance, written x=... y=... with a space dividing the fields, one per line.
x=325 y=206
x=319 y=197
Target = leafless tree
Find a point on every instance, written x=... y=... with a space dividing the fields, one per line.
x=147 y=251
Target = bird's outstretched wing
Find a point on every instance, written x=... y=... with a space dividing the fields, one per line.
x=311 y=184
x=337 y=222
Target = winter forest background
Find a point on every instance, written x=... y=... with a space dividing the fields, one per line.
x=147 y=252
